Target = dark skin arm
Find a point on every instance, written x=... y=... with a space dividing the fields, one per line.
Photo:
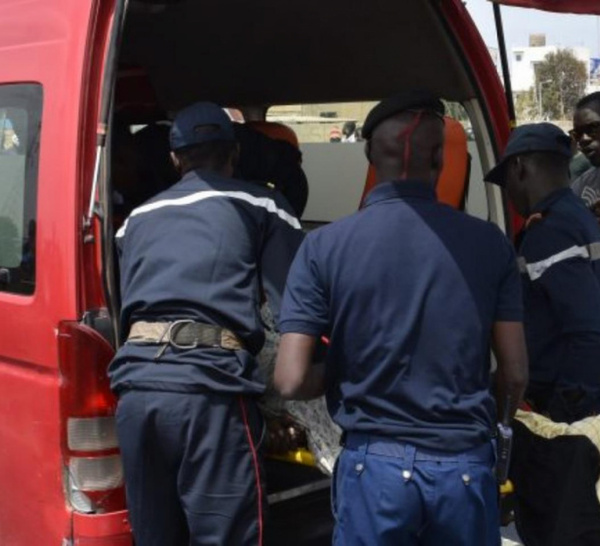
x=508 y=343
x=296 y=376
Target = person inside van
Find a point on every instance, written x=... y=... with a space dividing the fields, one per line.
x=194 y=261
x=156 y=170
x=269 y=153
x=126 y=186
x=559 y=253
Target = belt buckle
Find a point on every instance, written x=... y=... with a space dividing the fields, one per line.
x=172 y=331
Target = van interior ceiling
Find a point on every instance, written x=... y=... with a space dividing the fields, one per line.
x=219 y=51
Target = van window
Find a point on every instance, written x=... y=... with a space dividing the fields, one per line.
x=333 y=155
x=20 y=122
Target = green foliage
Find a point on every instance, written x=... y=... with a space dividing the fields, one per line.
x=456 y=110
x=526 y=106
x=560 y=81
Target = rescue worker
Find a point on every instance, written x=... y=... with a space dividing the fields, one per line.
x=559 y=255
x=410 y=292
x=586 y=133
x=195 y=261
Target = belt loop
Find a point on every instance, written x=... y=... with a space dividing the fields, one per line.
x=362 y=450
x=463 y=467
x=410 y=453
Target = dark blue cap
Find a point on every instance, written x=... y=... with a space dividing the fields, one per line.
x=533 y=137
x=401 y=102
x=200 y=123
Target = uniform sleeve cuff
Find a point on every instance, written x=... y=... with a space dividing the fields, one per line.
x=300 y=327
x=509 y=315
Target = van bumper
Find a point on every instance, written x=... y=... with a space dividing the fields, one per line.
x=110 y=529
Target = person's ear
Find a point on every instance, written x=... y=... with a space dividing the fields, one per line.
x=368 y=150
x=176 y=162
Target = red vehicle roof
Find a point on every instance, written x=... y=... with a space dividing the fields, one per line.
x=591 y=7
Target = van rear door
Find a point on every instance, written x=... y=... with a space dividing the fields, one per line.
x=47 y=96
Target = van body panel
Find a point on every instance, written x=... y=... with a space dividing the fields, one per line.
x=41 y=42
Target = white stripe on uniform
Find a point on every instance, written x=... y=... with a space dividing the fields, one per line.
x=537 y=269
x=264 y=202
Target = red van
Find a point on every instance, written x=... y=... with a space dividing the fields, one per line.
x=68 y=69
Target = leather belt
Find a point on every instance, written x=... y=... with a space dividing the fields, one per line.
x=183 y=334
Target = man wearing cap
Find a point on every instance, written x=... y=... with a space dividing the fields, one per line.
x=195 y=263
x=410 y=293
x=559 y=256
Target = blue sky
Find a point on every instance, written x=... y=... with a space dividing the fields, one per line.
x=560 y=29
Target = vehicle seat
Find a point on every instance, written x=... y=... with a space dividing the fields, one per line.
x=276 y=131
x=453 y=184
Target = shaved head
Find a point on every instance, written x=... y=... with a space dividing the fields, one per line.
x=407 y=145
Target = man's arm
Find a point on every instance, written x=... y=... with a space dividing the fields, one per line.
x=508 y=343
x=296 y=376
x=304 y=319
x=280 y=245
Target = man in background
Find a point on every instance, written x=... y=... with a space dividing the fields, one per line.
x=586 y=133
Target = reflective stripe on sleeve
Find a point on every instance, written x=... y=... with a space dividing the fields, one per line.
x=537 y=269
x=263 y=202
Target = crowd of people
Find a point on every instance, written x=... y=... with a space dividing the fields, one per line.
x=391 y=314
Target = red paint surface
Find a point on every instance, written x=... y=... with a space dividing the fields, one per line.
x=591 y=7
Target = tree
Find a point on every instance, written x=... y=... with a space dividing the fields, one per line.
x=560 y=81
x=526 y=106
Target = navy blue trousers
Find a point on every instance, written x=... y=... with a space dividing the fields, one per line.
x=390 y=493
x=192 y=471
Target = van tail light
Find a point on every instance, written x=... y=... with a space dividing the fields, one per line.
x=92 y=463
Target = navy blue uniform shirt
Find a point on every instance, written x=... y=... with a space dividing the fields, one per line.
x=408 y=290
x=562 y=293
x=206 y=249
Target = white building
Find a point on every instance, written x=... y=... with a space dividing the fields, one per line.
x=525 y=59
x=495 y=55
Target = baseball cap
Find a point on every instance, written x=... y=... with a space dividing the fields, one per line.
x=200 y=123
x=533 y=137
x=407 y=100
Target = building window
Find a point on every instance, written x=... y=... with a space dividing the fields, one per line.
x=518 y=56
x=20 y=126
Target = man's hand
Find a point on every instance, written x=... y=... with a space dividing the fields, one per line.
x=284 y=435
x=296 y=377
